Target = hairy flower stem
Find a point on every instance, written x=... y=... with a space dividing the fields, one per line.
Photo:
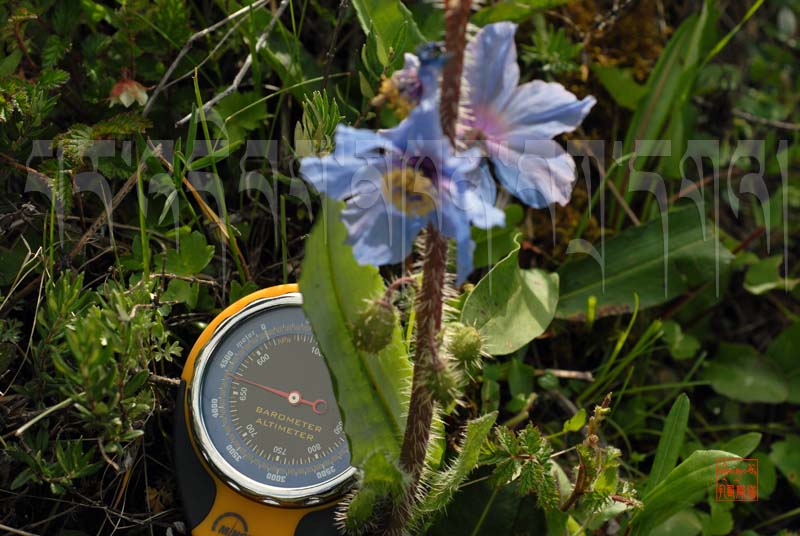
x=420 y=408
x=456 y=19
x=431 y=294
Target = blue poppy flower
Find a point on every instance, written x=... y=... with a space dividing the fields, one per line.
x=516 y=123
x=396 y=182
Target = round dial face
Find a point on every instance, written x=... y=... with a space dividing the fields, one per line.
x=267 y=405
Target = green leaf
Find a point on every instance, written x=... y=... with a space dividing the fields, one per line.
x=387 y=19
x=553 y=52
x=668 y=88
x=720 y=521
x=239 y=290
x=763 y=276
x=681 y=345
x=194 y=255
x=483 y=510
x=52 y=78
x=495 y=243
x=510 y=306
x=670 y=442
x=444 y=484
x=490 y=396
x=53 y=50
x=297 y=69
x=240 y=115
x=383 y=480
x=66 y=17
x=217 y=155
x=782 y=350
x=635 y=262
x=767 y=475
x=22 y=478
x=513 y=10
x=9 y=64
x=620 y=84
x=181 y=291
x=371 y=389
x=520 y=377
x=786 y=457
x=576 y=422
x=725 y=40
x=742 y=445
x=738 y=372
x=136 y=382
x=685 y=523
x=682 y=488
x=122 y=124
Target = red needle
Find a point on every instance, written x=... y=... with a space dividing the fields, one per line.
x=318 y=406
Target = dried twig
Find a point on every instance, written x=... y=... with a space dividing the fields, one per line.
x=262 y=40
x=209 y=213
x=343 y=5
x=52 y=409
x=163 y=380
x=18 y=532
x=190 y=42
x=783 y=125
x=117 y=199
x=621 y=200
x=585 y=376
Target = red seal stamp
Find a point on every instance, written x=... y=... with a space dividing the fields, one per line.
x=736 y=480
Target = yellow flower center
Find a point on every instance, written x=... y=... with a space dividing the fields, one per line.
x=391 y=94
x=410 y=191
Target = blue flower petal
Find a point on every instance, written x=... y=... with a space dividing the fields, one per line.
x=454 y=222
x=491 y=73
x=341 y=177
x=475 y=194
x=538 y=172
x=420 y=133
x=465 y=249
x=480 y=206
x=360 y=142
x=378 y=233
x=541 y=110
x=410 y=62
x=360 y=159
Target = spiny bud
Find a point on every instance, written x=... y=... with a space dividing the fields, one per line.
x=443 y=382
x=373 y=329
x=464 y=343
x=382 y=485
x=356 y=512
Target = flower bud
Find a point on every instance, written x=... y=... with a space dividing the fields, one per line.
x=443 y=382
x=464 y=343
x=127 y=91
x=373 y=329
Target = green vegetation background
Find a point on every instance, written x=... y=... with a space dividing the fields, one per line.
x=95 y=319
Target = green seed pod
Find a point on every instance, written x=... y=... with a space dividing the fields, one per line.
x=374 y=327
x=356 y=514
x=464 y=343
x=443 y=382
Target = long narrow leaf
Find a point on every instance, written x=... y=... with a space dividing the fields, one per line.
x=683 y=487
x=669 y=446
x=444 y=484
x=370 y=389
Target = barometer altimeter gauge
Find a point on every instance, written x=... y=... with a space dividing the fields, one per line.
x=261 y=424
